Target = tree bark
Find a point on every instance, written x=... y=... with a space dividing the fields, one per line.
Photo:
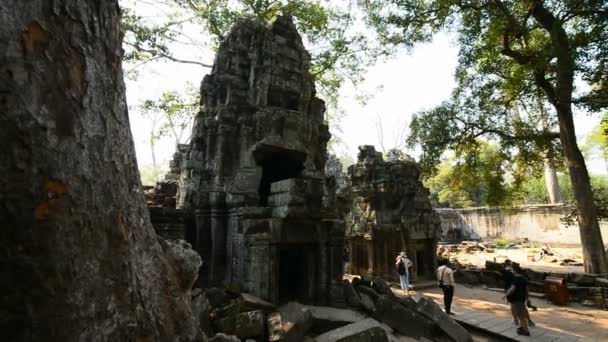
x=79 y=260
x=594 y=257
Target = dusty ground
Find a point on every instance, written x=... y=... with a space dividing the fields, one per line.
x=520 y=255
x=592 y=324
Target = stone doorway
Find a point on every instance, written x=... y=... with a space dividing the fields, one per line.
x=297 y=273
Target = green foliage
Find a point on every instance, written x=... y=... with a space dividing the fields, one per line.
x=519 y=37
x=339 y=53
x=500 y=243
x=473 y=177
x=172 y=113
x=596 y=142
x=151 y=174
x=532 y=190
x=599 y=186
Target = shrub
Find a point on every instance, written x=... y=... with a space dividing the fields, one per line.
x=500 y=243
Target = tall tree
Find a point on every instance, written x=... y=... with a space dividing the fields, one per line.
x=80 y=259
x=548 y=42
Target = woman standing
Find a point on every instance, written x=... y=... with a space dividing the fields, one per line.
x=403 y=264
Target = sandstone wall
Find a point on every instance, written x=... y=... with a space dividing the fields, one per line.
x=540 y=223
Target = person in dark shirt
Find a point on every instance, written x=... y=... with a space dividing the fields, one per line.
x=517 y=296
x=507 y=275
x=507 y=280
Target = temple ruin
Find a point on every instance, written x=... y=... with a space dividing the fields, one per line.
x=253 y=174
x=390 y=212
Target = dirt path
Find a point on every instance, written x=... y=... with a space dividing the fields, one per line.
x=592 y=324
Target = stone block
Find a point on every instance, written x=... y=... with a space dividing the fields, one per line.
x=216 y=297
x=490 y=278
x=232 y=309
x=250 y=324
x=254 y=212
x=296 y=321
x=382 y=287
x=494 y=266
x=251 y=303
x=201 y=310
x=327 y=318
x=368 y=330
x=582 y=279
x=275 y=327
x=285 y=199
x=350 y=295
x=225 y=325
x=220 y=337
x=368 y=291
x=403 y=320
x=184 y=260
x=367 y=303
x=464 y=276
x=448 y=326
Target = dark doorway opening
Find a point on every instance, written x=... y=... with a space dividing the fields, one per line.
x=274 y=170
x=294 y=273
x=420 y=264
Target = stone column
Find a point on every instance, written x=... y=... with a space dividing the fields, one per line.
x=218 y=238
x=370 y=254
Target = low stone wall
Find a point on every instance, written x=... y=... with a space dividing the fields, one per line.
x=539 y=223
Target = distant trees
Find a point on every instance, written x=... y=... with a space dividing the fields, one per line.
x=475 y=178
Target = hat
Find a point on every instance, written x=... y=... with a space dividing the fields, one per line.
x=403 y=254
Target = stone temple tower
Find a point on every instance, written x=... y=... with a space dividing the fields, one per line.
x=254 y=171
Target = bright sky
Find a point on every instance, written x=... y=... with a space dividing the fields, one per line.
x=401 y=86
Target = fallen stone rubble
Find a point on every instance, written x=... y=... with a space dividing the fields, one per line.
x=374 y=314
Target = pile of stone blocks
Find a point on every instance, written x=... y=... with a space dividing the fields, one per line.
x=421 y=318
x=376 y=315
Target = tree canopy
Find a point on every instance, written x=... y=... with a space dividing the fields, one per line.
x=339 y=52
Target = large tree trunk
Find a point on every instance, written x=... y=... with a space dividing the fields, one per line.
x=79 y=260
x=560 y=96
x=594 y=256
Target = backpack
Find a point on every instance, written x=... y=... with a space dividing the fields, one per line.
x=400 y=268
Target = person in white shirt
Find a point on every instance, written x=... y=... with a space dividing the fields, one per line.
x=403 y=264
x=445 y=276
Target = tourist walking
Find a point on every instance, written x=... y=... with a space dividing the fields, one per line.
x=517 y=296
x=507 y=281
x=507 y=277
x=346 y=260
x=403 y=264
x=445 y=277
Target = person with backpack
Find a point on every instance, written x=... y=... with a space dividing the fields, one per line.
x=445 y=277
x=403 y=264
x=517 y=296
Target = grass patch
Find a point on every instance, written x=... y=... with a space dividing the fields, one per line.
x=500 y=243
